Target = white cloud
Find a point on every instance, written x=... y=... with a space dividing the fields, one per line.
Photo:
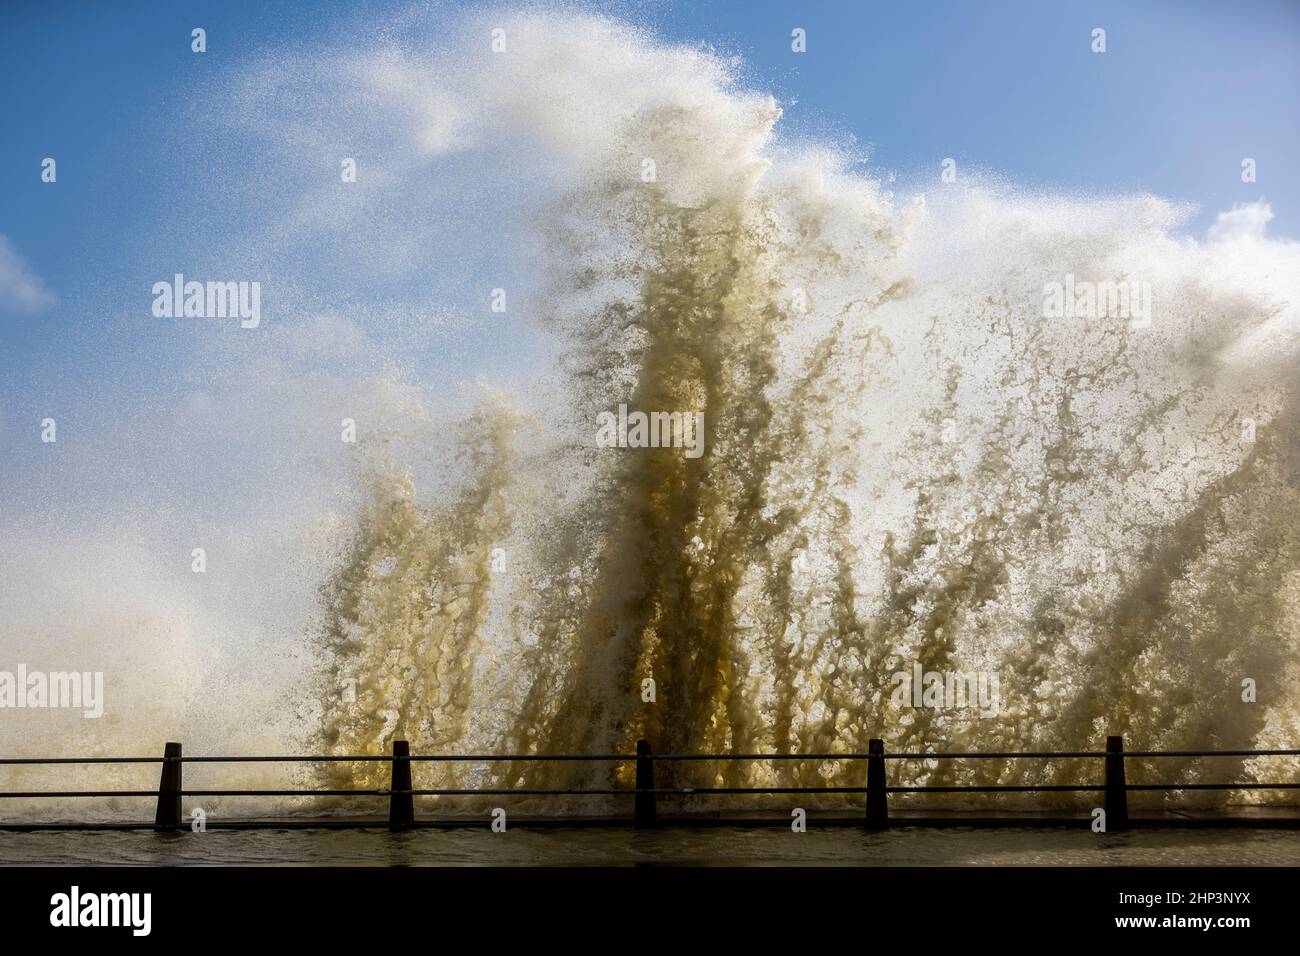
x=1242 y=222
x=21 y=290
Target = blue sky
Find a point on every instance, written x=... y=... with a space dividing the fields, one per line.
x=1185 y=90
x=1183 y=93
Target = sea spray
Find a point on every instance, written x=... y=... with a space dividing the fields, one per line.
x=908 y=465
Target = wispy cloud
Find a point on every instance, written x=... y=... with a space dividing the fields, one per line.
x=21 y=290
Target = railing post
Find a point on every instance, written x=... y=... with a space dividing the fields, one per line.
x=877 y=798
x=168 y=816
x=645 y=783
x=1116 y=788
x=401 y=805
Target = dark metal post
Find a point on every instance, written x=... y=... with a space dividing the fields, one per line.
x=401 y=805
x=877 y=798
x=1116 y=788
x=645 y=783
x=168 y=816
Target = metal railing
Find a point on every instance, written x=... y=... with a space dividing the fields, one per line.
x=401 y=792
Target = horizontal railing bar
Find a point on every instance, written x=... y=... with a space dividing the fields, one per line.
x=692 y=790
x=1212 y=753
x=526 y=792
x=1214 y=786
x=625 y=791
x=285 y=793
x=79 y=793
x=424 y=758
x=1030 y=789
x=1044 y=755
x=760 y=756
x=1094 y=753
x=59 y=760
x=289 y=758
x=488 y=758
